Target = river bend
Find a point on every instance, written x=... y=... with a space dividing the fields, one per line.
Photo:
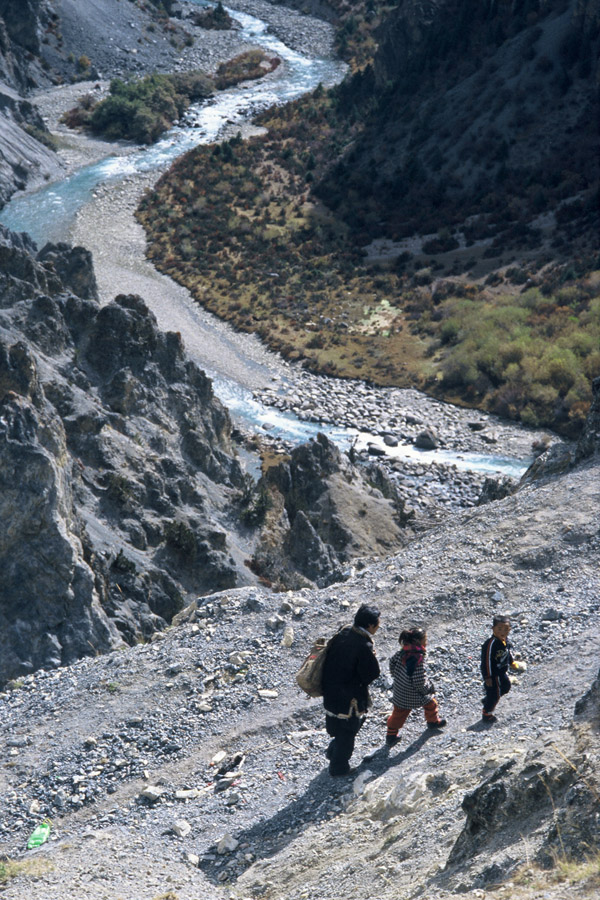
x=94 y=206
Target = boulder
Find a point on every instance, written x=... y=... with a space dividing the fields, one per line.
x=324 y=511
x=427 y=439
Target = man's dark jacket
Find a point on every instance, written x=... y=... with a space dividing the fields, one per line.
x=350 y=667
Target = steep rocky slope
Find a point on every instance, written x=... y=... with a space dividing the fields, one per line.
x=117 y=467
x=121 y=752
x=51 y=42
x=24 y=157
x=25 y=161
x=477 y=118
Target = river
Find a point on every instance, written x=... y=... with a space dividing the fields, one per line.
x=94 y=207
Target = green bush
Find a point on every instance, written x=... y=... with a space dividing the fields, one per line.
x=532 y=357
x=142 y=110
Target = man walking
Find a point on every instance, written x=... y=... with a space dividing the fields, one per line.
x=350 y=667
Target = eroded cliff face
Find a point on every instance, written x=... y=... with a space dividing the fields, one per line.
x=116 y=465
x=21 y=22
x=25 y=160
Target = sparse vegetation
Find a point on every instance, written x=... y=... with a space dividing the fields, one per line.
x=44 y=137
x=237 y=225
x=142 y=109
x=581 y=875
x=119 y=488
x=34 y=868
x=246 y=67
x=180 y=537
x=122 y=563
x=255 y=502
x=216 y=18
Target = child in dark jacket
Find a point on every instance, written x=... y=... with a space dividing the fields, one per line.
x=496 y=659
x=412 y=689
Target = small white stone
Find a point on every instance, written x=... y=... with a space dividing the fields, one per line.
x=218 y=757
x=288 y=637
x=181 y=828
x=152 y=793
x=190 y=794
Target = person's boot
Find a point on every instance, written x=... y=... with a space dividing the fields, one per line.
x=441 y=723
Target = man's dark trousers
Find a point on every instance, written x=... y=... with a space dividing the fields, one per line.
x=343 y=732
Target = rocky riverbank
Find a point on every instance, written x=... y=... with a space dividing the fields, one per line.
x=414 y=437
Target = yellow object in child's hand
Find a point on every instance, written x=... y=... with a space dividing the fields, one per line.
x=518 y=665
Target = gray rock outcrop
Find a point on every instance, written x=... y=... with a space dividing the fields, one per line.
x=325 y=512
x=24 y=160
x=116 y=464
x=551 y=795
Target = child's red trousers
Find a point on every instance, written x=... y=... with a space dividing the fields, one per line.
x=399 y=716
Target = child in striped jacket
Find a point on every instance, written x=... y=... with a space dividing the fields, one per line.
x=412 y=689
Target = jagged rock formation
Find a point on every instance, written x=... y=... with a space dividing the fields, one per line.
x=325 y=512
x=21 y=24
x=116 y=466
x=25 y=160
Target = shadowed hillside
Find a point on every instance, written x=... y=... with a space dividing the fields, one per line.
x=480 y=117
